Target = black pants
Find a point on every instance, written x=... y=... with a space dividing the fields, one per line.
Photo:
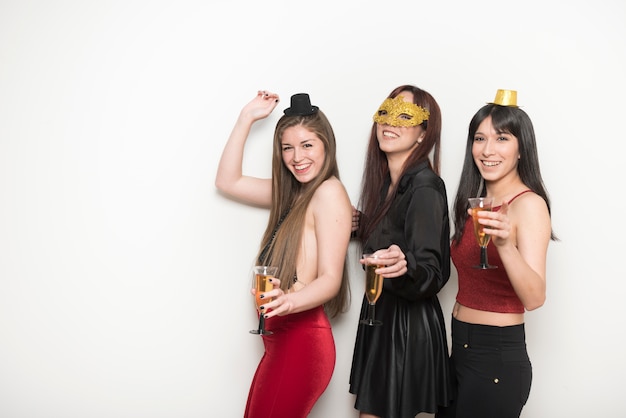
x=491 y=371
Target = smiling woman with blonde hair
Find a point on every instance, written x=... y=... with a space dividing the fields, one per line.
x=307 y=238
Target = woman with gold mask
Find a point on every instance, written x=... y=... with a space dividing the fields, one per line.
x=400 y=368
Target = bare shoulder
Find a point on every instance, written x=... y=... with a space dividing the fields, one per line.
x=530 y=204
x=331 y=192
x=530 y=213
x=331 y=189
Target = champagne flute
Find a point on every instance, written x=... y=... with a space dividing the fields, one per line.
x=262 y=284
x=479 y=204
x=373 y=288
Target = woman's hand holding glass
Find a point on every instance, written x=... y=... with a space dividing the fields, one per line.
x=379 y=265
x=478 y=206
x=496 y=224
x=394 y=261
x=262 y=281
x=489 y=226
x=274 y=302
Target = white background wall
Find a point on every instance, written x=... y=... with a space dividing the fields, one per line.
x=124 y=275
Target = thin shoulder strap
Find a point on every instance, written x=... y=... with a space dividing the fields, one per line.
x=518 y=195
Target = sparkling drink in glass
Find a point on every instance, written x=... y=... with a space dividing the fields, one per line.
x=478 y=204
x=373 y=288
x=261 y=277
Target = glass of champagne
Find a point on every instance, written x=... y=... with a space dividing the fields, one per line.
x=373 y=287
x=478 y=204
x=262 y=284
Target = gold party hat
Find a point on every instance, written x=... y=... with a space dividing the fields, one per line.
x=506 y=98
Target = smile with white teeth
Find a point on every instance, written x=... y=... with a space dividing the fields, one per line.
x=491 y=163
x=389 y=134
x=301 y=167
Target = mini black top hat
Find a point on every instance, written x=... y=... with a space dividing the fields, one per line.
x=301 y=106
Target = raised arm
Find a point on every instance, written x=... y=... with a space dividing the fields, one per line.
x=230 y=179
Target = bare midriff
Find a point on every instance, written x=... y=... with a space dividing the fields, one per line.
x=475 y=316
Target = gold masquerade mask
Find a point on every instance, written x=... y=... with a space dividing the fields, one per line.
x=397 y=112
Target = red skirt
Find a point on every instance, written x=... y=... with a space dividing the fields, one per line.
x=296 y=367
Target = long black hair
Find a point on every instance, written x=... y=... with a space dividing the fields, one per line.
x=505 y=119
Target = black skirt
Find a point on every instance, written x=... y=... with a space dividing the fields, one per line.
x=401 y=368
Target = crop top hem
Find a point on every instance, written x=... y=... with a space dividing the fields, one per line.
x=495 y=309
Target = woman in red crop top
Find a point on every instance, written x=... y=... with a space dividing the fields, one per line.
x=492 y=371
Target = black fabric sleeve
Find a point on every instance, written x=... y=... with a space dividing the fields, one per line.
x=425 y=245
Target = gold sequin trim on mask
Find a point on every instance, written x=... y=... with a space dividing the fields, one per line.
x=397 y=112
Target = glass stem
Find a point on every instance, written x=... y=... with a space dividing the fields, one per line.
x=483 y=256
x=372 y=312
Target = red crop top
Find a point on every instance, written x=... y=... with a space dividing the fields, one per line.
x=485 y=290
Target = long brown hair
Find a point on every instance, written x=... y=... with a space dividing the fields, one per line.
x=290 y=200
x=376 y=171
